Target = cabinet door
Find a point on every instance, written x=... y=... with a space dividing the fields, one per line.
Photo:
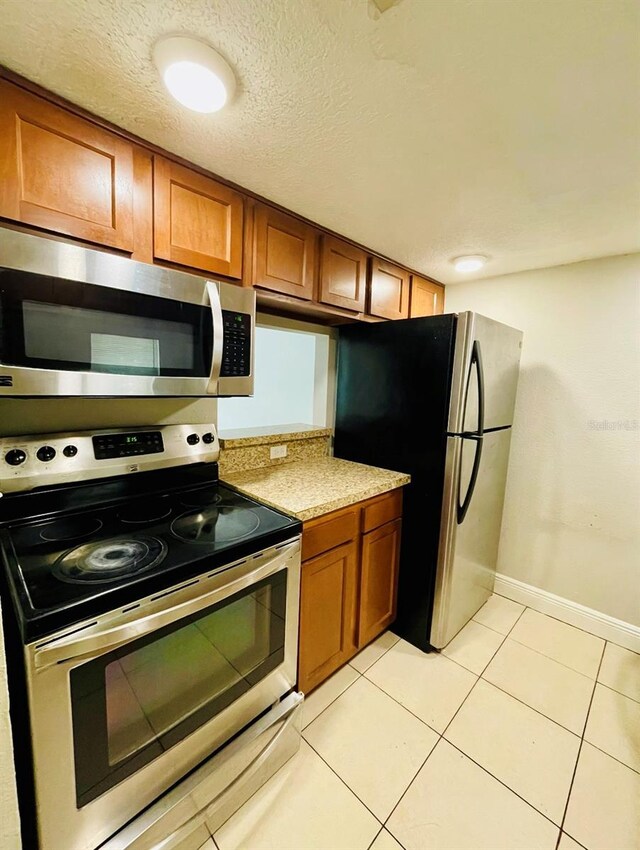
x=388 y=290
x=427 y=298
x=343 y=274
x=284 y=255
x=379 y=580
x=327 y=614
x=197 y=221
x=63 y=173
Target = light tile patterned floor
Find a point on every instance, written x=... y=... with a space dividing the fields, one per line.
x=523 y=735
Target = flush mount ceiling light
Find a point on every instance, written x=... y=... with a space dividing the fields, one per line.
x=470 y=263
x=194 y=73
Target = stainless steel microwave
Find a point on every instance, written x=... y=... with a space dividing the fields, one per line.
x=79 y=322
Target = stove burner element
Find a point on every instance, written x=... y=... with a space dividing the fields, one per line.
x=201 y=498
x=215 y=525
x=146 y=511
x=108 y=560
x=70 y=529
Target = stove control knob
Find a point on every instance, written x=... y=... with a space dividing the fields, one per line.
x=208 y=438
x=70 y=451
x=46 y=453
x=15 y=457
x=193 y=439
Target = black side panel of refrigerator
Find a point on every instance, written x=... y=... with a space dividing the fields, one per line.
x=394 y=385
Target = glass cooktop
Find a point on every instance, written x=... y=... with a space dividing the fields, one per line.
x=78 y=565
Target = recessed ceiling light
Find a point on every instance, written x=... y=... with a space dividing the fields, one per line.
x=471 y=263
x=194 y=73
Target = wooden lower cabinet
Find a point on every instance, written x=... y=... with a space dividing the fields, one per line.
x=379 y=580
x=328 y=598
x=349 y=584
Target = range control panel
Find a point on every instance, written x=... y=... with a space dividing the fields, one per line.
x=43 y=460
x=236 y=345
x=107 y=446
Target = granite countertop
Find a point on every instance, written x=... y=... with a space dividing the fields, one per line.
x=309 y=488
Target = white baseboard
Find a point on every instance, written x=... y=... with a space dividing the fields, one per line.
x=617 y=631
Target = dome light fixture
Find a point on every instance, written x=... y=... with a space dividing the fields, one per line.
x=470 y=263
x=194 y=73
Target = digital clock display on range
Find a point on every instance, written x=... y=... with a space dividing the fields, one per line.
x=106 y=446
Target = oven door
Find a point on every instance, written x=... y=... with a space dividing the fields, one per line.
x=77 y=322
x=122 y=708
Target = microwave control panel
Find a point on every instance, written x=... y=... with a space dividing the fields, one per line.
x=236 y=345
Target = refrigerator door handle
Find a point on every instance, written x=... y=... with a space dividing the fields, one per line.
x=464 y=506
x=476 y=361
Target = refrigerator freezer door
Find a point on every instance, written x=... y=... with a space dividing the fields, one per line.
x=468 y=547
x=500 y=348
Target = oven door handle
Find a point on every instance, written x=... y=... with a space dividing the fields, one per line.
x=218 y=337
x=99 y=638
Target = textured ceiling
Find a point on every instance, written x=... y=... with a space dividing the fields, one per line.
x=441 y=127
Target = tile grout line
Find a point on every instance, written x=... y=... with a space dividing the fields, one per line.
x=615 y=691
x=377 y=659
x=441 y=734
x=348 y=664
x=614 y=758
x=466 y=755
x=343 y=781
x=311 y=722
x=504 y=637
x=503 y=783
x=584 y=729
x=564 y=623
x=375 y=838
x=526 y=704
x=551 y=658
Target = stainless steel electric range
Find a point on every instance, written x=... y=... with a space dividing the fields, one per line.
x=158 y=614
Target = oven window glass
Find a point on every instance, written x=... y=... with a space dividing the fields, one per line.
x=131 y=705
x=68 y=326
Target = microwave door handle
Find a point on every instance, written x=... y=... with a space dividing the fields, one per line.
x=112 y=637
x=218 y=337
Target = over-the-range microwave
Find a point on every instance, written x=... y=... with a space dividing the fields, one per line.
x=80 y=322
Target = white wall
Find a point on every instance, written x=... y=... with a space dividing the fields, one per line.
x=572 y=513
x=294 y=378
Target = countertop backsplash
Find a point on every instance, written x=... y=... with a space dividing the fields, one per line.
x=254 y=450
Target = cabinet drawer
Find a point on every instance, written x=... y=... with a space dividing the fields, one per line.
x=382 y=509
x=329 y=531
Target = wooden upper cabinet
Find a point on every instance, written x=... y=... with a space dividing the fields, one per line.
x=63 y=173
x=284 y=253
x=343 y=274
x=388 y=290
x=197 y=221
x=427 y=298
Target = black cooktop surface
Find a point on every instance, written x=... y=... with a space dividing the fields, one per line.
x=75 y=564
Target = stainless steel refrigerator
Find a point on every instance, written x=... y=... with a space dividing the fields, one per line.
x=434 y=397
